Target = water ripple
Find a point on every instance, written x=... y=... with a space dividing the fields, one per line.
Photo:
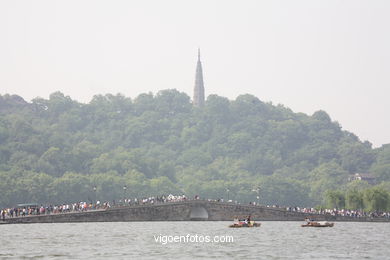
x=129 y=240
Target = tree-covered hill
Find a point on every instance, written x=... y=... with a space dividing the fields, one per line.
x=57 y=150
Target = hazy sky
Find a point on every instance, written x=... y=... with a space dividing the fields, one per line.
x=307 y=55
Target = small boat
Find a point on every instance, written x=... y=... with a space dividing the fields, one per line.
x=241 y=224
x=318 y=224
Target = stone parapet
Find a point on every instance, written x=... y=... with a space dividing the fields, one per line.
x=183 y=211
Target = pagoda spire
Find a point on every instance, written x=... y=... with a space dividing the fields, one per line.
x=198 y=100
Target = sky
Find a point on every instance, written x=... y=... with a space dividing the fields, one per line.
x=307 y=55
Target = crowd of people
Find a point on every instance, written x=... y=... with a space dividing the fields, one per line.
x=26 y=210
x=154 y=200
x=341 y=212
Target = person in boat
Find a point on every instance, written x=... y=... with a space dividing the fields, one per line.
x=309 y=220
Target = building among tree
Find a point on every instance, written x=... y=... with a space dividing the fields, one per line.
x=363 y=177
x=198 y=100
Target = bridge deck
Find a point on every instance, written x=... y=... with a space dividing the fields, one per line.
x=182 y=211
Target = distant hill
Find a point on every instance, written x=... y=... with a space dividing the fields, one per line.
x=57 y=150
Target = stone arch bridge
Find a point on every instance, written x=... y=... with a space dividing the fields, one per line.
x=175 y=211
x=171 y=211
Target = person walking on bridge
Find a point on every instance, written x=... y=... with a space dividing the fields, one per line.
x=3 y=214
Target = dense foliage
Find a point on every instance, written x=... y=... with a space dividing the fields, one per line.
x=57 y=150
x=359 y=197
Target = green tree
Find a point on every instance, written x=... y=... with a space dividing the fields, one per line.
x=355 y=157
x=354 y=199
x=381 y=168
x=376 y=198
x=162 y=185
x=156 y=140
x=335 y=199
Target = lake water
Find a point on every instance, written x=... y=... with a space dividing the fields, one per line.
x=137 y=240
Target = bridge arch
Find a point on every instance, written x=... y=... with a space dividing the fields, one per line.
x=199 y=213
